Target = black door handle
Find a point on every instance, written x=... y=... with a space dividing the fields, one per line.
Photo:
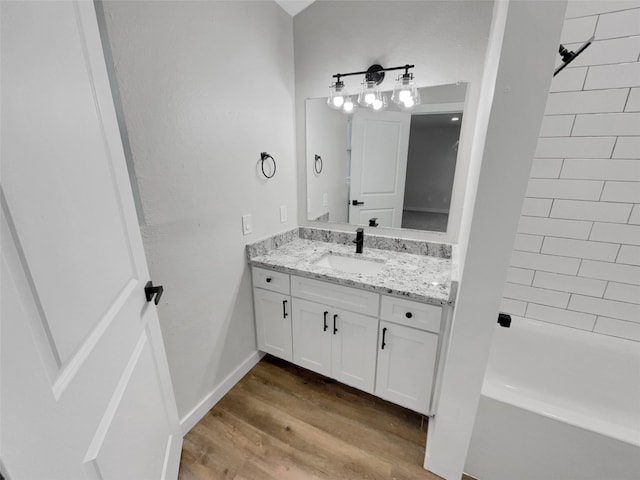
x=150 y=291
x=335 y=329
x=268 y=279
x=355 y=203
x=325 y=321
x=384 y=333
x=284 y=309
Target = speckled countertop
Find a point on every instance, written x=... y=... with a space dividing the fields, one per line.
x=418 y=277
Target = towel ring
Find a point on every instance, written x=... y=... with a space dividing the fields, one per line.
x=317 y=161
x=263 y=157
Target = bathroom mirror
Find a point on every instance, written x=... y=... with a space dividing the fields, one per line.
x=388 y=169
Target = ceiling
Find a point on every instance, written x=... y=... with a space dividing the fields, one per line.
x=293 y=7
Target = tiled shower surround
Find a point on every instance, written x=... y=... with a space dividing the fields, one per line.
x=576 y=259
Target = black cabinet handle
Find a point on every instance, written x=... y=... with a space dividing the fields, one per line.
x=284 y=309
x=335 y=329
x=150 y=291
x=325 y=321
x=384 y=333
x=268 y=279
x=408 y=314
x=355 y=203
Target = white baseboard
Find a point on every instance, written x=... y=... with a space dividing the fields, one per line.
x=207 y=403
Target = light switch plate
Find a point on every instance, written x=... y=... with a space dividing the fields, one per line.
x=283 y=213
x=247 y=224
x=325 y=199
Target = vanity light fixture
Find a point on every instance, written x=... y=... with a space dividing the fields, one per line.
x=406 y=95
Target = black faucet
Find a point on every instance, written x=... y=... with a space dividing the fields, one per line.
x=359 y=241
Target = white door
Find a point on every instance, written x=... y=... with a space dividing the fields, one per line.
x=354 y=349
x=312 y=336
x=273 y=322
x=406 y=364
x=379 y=148
x=86 y=391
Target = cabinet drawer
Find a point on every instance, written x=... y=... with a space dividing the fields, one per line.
x=337 y=296
x=413 y=314
x=270 y=280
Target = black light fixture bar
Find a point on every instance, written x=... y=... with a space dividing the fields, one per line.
x=568 y=57
x=375 y=72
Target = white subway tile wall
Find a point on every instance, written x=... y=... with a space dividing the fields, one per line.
x=576 y=257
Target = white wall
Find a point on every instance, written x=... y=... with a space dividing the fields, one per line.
x=576 y=261
x=326 y=136
x=431 y=166
x=205 y=87
x=524 y=39
x=445 y=40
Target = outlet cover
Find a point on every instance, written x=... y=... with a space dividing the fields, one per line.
x=247 y=224
x=283 y=213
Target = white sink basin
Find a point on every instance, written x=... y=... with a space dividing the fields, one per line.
x=350 y=264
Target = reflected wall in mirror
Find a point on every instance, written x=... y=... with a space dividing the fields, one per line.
x=388 y=169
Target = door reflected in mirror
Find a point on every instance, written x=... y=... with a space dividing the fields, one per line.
x=388 y=169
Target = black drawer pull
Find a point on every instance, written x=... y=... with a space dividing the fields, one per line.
x=284 y=309
x=335 y=329
x=325 y=321
x=269 y=279
x=408 y=314
x=384 y=333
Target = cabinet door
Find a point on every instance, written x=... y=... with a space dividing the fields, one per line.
x=312 y=336
x=406 y=361
x=354 y=349
x=273 y=323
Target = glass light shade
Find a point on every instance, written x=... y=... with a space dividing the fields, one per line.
x=369 y=93
x=405 y=93
x=348 y=106
x=379 y=104
x=337 y=95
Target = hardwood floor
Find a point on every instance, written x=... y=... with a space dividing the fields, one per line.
x=282 y=422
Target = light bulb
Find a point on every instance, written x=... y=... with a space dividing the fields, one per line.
x=376 y=104
x=370 y=98
x=338 y=101
x=405 y=95
x=348 y=106
x=408 y=102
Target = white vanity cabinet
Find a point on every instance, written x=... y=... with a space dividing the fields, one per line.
x=380 y=344
x=272 y=304
x=408 y=342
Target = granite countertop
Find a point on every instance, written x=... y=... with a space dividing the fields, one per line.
x=418 y=277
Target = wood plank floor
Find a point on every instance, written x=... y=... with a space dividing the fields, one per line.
x=282 y=422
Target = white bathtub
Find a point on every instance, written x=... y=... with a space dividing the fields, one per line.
x=558 y=404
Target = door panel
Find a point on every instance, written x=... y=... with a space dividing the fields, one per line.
x=116 y=450
x=273 y=327
x=74 y=313
x=73 y=189
x=406 y=366
x=311 y=342
x=380 y=144
x=354 y=350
